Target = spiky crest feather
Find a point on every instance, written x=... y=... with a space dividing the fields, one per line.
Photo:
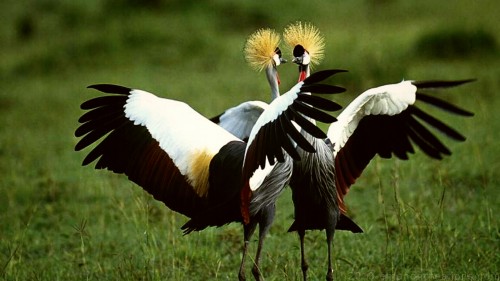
x=309 y=37
x=260 y=48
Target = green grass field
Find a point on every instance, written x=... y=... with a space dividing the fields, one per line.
x=423 y=219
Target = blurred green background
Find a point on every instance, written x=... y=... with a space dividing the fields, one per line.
x=423 y=219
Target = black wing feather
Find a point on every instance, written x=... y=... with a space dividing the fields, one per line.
x=287 y=143
x=440 y=83
x=111 y=89
x=442 y=127
x=296 y=135
x=319 y=76
x=423 y=145
x=319 y=102
x=309 y=127
x=313 y=113
x=102 y=112
x=98 y=122
x=98 y=133
x=443 y=104
x=102 y=101
x=426 y=135
x=322 y=89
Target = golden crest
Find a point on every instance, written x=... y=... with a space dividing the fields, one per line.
x=308 y=36
x=260 y=48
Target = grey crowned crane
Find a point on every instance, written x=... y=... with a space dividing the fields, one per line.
x=184 y=160
x=383 y=120
x=262 y=53
x=313 y=178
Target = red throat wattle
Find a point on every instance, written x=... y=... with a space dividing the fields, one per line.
x=278 y=78
x=302 y=76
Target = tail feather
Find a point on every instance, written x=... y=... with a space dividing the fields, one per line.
x=346 y=223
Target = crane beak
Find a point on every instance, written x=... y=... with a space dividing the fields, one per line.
x=283 y=60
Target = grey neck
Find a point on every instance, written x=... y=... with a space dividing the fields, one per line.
x=272 y=78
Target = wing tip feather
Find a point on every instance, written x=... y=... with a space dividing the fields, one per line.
x=428 y=84
x=111 y=89
x=322 y=75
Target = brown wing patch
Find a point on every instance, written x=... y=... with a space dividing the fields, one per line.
x=345 y=175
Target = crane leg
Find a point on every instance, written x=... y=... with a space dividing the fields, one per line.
x=248 y=230
x=329 y=240
x=256 y=269
x=265 y=223
x=304 y=265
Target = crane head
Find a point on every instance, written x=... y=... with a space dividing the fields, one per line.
x=303 y=59
x=262 y=49
x=307 y=42
x=301 y=55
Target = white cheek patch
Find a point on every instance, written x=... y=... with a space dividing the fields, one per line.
x=306 y=58
x=276 y=59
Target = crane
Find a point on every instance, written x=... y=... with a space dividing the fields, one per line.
x=184 y=160
x=262 y=53
x=313 y=178
x=381 y=121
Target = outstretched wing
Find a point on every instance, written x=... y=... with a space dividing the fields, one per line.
x=274 y=133
x=386 y=122
x=162 y=145
x=276 y=122
x=239 y=120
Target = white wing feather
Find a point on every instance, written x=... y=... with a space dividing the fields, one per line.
x=384 y=100
x=165 y=118
x=260 y=175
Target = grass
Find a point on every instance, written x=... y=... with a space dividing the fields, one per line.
x=423 y=220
